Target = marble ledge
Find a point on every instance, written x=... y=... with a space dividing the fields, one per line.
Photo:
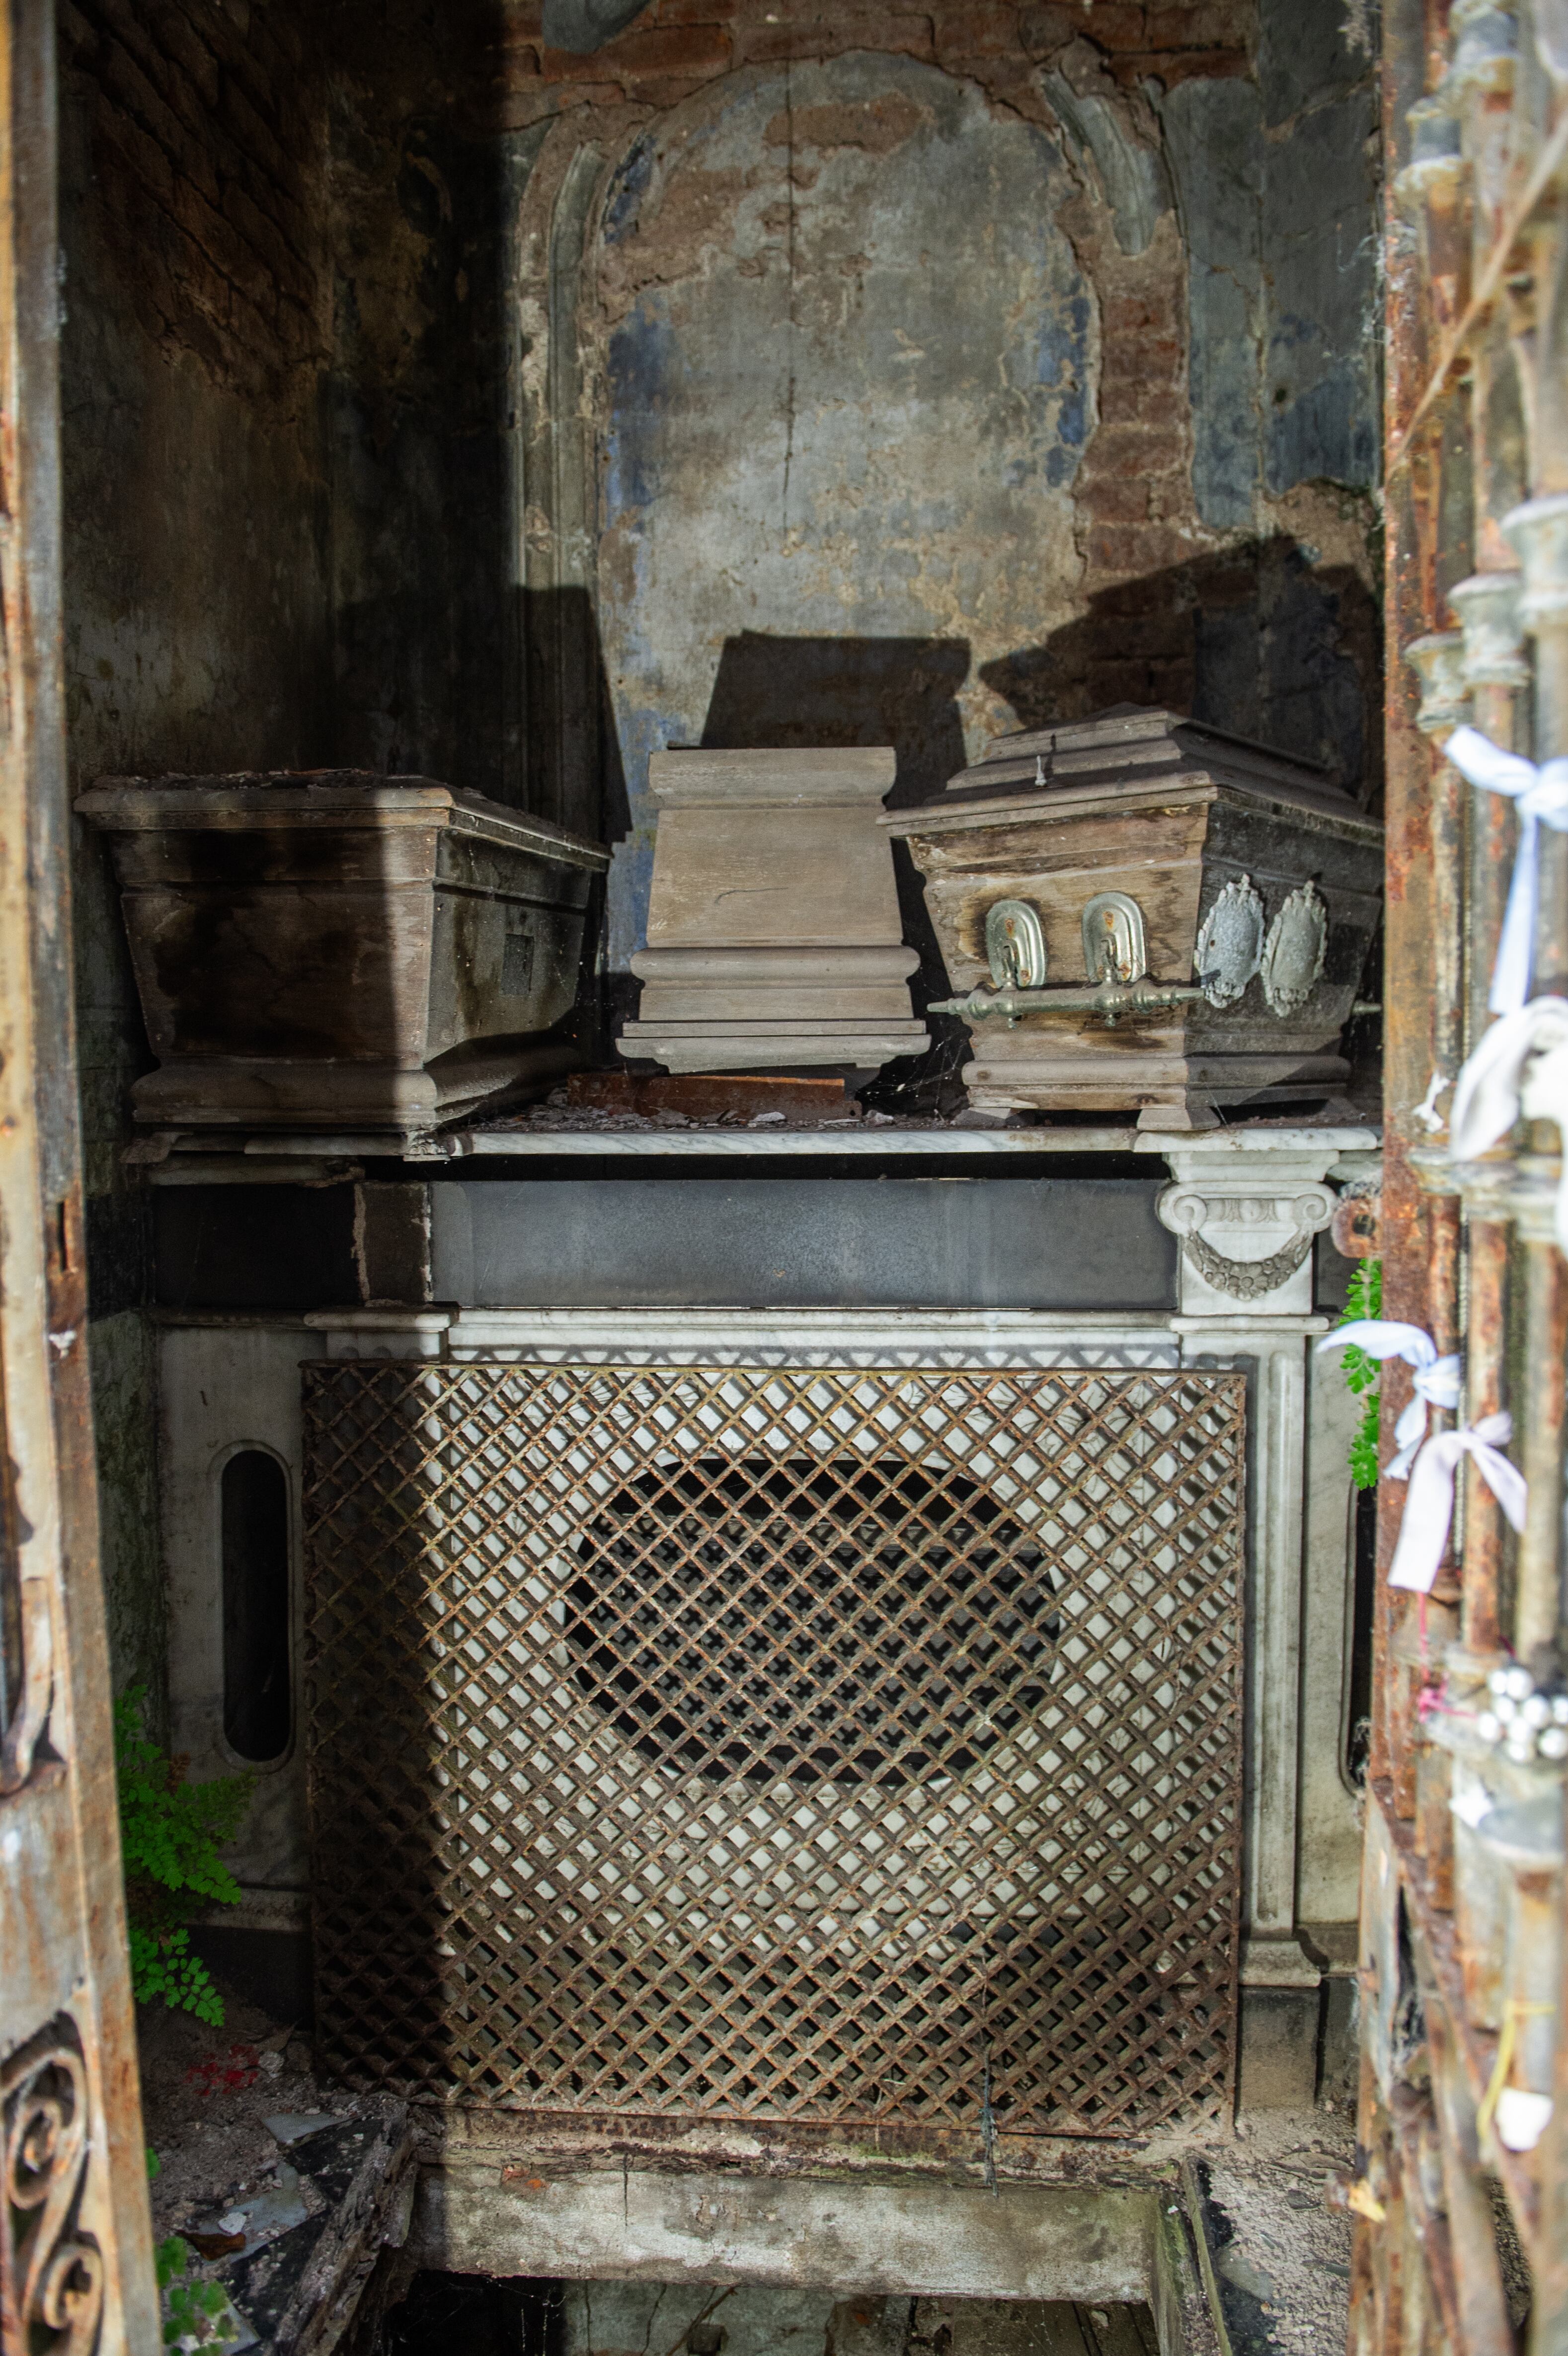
x=261 y=1158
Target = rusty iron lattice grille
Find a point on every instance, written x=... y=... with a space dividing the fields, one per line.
x=792 y=1744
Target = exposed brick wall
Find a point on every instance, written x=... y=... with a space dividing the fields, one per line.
x=207 y=140
x=678 y=45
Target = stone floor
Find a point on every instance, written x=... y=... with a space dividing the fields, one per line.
x=1282 y=2256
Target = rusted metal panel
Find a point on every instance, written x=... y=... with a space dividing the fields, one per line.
x=1463 y=1898
x=75 y=2241
x=799 y=1744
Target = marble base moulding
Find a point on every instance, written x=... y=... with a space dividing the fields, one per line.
x=336 y=948
x=1147 y=916
x=773 y=935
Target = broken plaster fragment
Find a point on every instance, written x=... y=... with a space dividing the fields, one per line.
x=292 y=2127
x=1240 y=2272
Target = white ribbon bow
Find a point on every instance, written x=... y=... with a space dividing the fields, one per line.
x=1436 y=1380
x=1541 y=798
x=1501 y=1080
x=1429 y=1508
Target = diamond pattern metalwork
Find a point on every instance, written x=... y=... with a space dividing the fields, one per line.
x=799 y=1744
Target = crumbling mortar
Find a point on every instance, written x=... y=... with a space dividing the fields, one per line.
x=611 y=77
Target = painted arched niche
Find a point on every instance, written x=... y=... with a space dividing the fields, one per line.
x=847 y=379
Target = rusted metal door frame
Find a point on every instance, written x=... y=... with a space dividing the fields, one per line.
x=75 y=2232
x=1462 y=1926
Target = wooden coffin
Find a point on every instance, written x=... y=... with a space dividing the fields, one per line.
x=1239 y=880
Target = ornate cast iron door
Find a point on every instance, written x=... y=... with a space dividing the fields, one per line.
x=75 y=2247
x=804 y=1745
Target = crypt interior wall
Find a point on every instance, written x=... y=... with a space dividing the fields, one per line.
x=436 y=401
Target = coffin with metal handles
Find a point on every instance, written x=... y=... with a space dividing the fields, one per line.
x=1138 y=913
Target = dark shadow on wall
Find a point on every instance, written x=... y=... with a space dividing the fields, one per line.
x=574 y=765
x=427 y=663
x=1252 y=639
x=827 y=691
x=426 y=681
x=805 y=692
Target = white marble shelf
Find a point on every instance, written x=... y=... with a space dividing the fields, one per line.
x=278 y=1160
x=750 y=1144
x=279 y=1157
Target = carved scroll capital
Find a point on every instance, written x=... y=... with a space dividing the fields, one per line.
x=1192 y=1210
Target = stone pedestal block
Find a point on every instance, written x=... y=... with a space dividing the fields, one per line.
x=774 y=938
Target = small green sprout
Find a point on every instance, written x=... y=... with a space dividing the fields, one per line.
x=170 y=1836
x=1364 y=1298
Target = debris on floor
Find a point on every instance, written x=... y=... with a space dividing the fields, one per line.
x=574 y=1118
x=284 y=2192
x=1281 y=2252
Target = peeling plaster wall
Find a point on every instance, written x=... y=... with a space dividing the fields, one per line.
x=1276 y=182
x=907 y=380
x=847 y=368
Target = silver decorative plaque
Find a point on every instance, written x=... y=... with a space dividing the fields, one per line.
x=1230 y=942
x=1015 y=945
x=1294 y=952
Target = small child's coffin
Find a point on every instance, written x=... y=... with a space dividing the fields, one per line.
x=1145 y=914
x=334 y=950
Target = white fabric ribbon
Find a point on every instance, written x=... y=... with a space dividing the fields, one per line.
x=1540 y=797
x=1521 y=1066
x=1435 y=1379
x=1521 y=2118
x=1429 y=1509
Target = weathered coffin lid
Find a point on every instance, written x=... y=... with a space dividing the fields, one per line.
x=250 y=799
x=1127 y=750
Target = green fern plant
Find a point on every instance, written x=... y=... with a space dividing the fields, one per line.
x=1364 y=1298
x=170 y=1834
x=195 y=2314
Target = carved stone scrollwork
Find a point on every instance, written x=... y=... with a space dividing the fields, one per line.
x=54 y=2271
x=1248 y=1280
x=1187 y=1209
